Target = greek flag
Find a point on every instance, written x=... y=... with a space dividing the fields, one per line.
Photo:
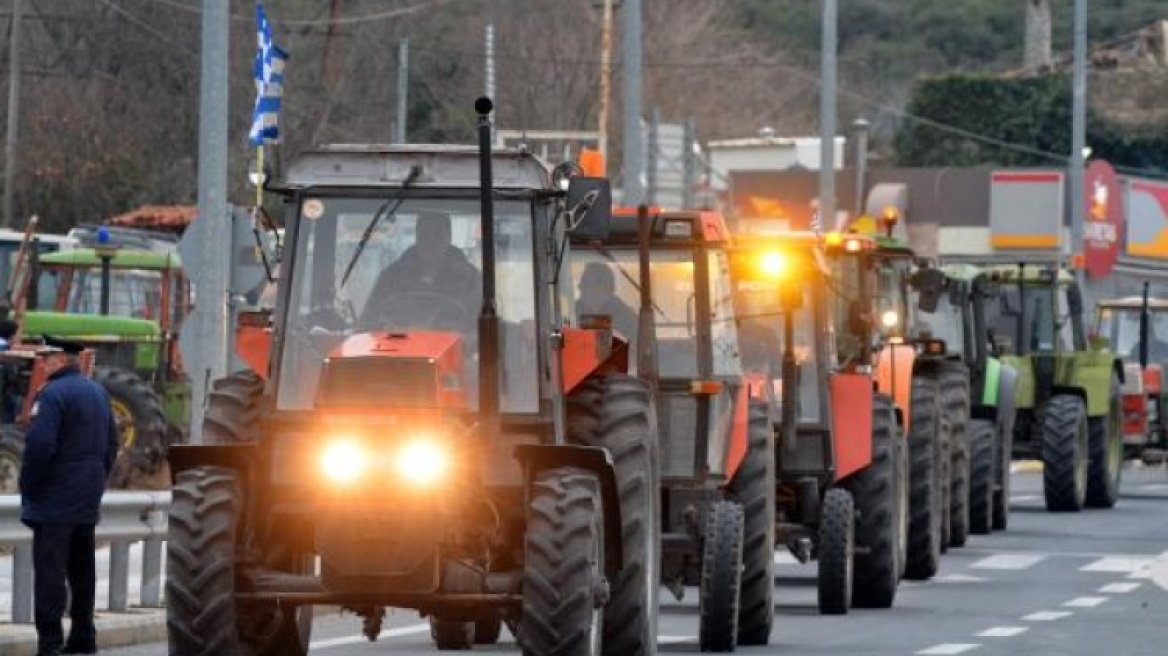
x=269 y=79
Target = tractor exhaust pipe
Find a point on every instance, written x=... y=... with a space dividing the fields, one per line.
x=1145 y=317
x=646 y=331
x=488 y=317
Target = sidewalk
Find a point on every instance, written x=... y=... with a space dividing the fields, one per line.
x=137 y=626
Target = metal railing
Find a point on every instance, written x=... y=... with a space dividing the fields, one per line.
x=126 y=518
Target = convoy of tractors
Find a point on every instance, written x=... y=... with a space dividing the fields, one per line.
x=605 y=403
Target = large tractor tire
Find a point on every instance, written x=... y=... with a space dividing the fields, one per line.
x=1004 y=445
x=451 y=635
x=616 y=412
x=927 y=459
x=141 y=424
x=955 y=407
x=234 y=409
x=875 y=566
x=1106 y=454
x=203 y=616
x=563 y=568
x=11 y=455
x=753 y=486
x=981 y=476
x=721 y=577
x=837 y=544
x=1065 y=444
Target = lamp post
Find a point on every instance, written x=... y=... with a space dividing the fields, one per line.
x=1078 y=133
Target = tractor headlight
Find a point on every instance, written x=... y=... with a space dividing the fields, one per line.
x=890 y=319
x=422 y=461
x=772 y=264
x=343 y=461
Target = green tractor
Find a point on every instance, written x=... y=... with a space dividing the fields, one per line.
x=957 y=330
x=1068 y=394
x=127 y=305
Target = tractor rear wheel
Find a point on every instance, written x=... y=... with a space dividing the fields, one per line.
x=616 y=412
x=981 y=476
x=1106 y=454
x=11 y=455
x=926 y=456
x=753 y=486
x=955 y=406
x=1064 y=453
x=203 y=615
x=234 y=409
x=721 y=577
x=563 y=568
x=837 y=542
x=141 y=424
x=874 y=488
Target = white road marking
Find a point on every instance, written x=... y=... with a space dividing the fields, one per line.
x=1024 y=498
x=1158 y=572
x=672 y=640
x=1154 y=487
x=785 y=558
x=388 y=633
x=1007 y=561
x=1002 y=632
x=1047 y=616
x=948 y=649
x=1124 y=564
x=959 y=578
x=1119 y=588
x=1085 y=602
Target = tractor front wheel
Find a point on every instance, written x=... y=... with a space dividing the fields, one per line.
x=981 y=476
x=928 y=462
x=753 y=486
x=721 y=578
x=837 y=542
x=876 y=567
x=1106 y=453
x=1064 y=453
x=563 y=568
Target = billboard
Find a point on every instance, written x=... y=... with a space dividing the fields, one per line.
x=1147 y=210
x=1026 y=209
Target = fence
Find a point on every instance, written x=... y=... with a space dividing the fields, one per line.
x=126 y=518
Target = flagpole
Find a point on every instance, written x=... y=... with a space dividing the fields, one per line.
x=259 y=176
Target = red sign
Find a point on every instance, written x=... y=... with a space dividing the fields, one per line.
x=1103 y=227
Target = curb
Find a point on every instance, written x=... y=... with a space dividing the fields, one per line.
x=113 y=630
x=1026 y=467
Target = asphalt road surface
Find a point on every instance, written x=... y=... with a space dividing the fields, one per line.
x=1092 y=583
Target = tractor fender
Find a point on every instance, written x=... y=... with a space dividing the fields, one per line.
x=540 y=457
x=240 y=457
x=1007 y=386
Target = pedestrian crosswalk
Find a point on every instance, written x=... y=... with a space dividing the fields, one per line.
x=1133 y=566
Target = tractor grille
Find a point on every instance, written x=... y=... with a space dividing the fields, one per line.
x=678 y=434
x=377 y=382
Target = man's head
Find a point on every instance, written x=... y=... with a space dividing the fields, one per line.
x=433 y=233
x=61 y=353
x=597 y=284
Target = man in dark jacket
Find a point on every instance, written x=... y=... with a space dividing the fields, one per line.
x=597 y=296
x=432 y=284
x=68 y=455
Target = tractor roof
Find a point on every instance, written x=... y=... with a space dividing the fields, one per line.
x=670 y=227
x=1134 y=303
x=444 y=166
x=1031 y=274
x=122 y=259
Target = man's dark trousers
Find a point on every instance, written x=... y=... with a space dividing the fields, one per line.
x=64 y=553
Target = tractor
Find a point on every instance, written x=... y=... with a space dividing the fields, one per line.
x=1136 y=328
x=1068 y=407
x=390 y=447
x=956 y=329
x=841 y=458
x=716 y=446
x=128 y=305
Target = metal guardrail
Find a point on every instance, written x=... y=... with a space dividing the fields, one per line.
x=126 y=518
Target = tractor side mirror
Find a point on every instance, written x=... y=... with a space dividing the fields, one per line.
x=589 y=207
x=1075 y=300
x=930 y=284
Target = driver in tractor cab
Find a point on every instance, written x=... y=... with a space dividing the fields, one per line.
x=433 y=266
x=1157 y=344
x=598 y=297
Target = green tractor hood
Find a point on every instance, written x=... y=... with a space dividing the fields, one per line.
x=90 y=327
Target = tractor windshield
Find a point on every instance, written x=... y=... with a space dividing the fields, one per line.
x=1036 y=318
x=1122 y=329
x=608 y=284
x=946 y=324
x=419 y=270
x=133 y=293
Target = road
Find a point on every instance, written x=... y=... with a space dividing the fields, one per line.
x=1089 y=583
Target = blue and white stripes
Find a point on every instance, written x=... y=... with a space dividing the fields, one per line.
x=269 y=79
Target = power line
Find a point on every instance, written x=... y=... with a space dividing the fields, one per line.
x=352 y=20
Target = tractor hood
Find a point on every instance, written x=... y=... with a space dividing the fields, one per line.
x=89 y=327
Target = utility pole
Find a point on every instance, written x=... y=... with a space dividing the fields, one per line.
x=13 y=118
x=403 y=89
x=605 y=76
x=634 y=142
x=827 y=91
x=1078 y=132
x=860 y=133
x=211 y=265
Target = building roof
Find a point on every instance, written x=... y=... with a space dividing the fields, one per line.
x=157 y=216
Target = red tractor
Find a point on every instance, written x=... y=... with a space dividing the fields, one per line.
x=481 y=465
x=841 y=452
x=716 y=446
